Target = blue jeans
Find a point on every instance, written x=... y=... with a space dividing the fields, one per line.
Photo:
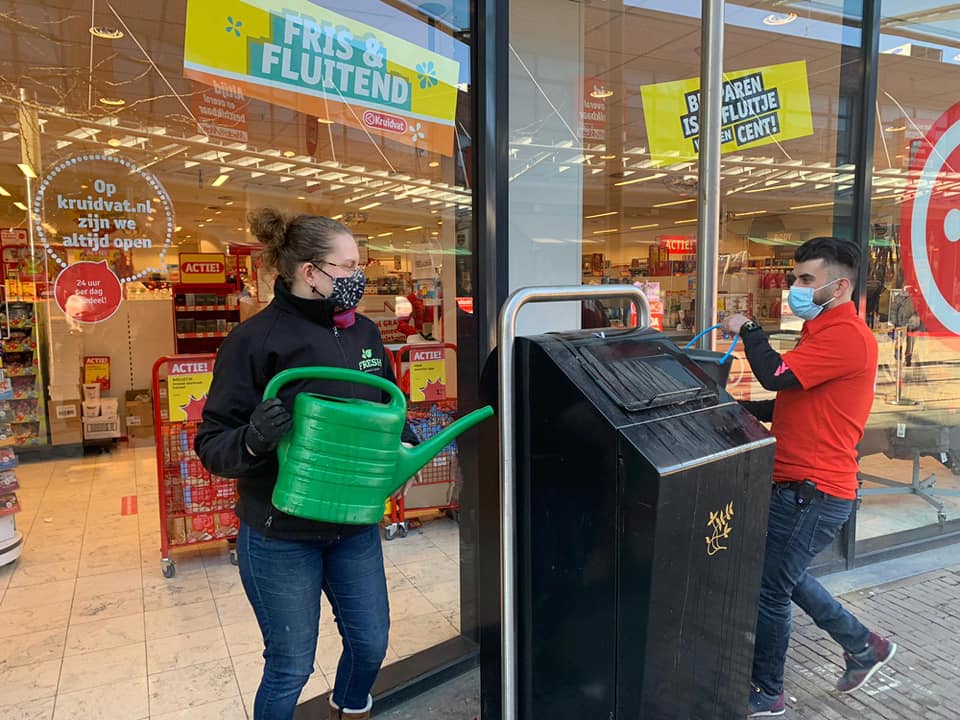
x=283 y=581
x=795 y=535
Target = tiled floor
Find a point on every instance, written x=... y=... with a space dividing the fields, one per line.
x=91 y=630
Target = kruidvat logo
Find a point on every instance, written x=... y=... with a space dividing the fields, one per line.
x=383 y=121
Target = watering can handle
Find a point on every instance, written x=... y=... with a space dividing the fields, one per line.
x=397 y=398
x=727 y=354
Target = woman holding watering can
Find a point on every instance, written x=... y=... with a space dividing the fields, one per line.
x=286 y=562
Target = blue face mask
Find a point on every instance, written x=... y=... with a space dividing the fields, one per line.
x=801 y=301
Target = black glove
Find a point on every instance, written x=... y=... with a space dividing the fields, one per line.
x=269 y=422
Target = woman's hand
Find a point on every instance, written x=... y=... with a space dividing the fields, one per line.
x=270 y=422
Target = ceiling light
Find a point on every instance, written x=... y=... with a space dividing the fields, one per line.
x=27 y=170
x=106 y=33
x=415 y=227
x=644 y=227
x=189 y=236
x=288 y=153
x=20 y=206
x=748 y=214
x=675 y=202
x=229 y=202
x=600 y=215
x=897 y=128
x=199 y=225
x=178 y=228
x=638 y=180
x=608 y=157
x=112 y=102
x=337 y=217
x=369 y=205
x=601 y=92
x=221 y=179
x=812 y=205
x=386 y=234
x=209 y=220
x=3 y=191
x=682 y=222
x=301 y=197
x=325 y=121
x=604 y=232
x=778 y=19
x=113 y=142
x=218 y=212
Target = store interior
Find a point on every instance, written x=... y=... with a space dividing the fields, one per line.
x=89 y=588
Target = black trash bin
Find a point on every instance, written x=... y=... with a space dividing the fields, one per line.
x=642 y=509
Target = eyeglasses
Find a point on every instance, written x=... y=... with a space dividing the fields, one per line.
x=347 y=268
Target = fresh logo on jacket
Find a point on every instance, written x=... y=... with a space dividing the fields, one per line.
x=368 y=362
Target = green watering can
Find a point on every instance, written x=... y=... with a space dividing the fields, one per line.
x=343 y=457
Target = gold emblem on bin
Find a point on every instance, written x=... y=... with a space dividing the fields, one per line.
x=720 y=523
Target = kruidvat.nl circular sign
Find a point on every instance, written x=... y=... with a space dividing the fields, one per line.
x=100 y=205
x=930 y=226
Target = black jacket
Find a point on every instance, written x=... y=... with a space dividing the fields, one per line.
x=290 y=332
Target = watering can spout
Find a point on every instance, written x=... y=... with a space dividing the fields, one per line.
x=413 y=459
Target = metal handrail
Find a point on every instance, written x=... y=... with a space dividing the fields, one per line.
x=508 y=532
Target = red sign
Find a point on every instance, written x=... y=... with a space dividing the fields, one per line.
x=593 y=116
x=88 y=292
x=930 y=225
x=385 y=121
x=678 y=244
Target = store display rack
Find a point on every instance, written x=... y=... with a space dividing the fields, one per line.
x=195 y=507
x=22 y=416
x=203 y=315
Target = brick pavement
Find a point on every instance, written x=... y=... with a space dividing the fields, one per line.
x=922 y=615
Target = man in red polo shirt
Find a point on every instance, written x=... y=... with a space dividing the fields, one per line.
x=825 y=389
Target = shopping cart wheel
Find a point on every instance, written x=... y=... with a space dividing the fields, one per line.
x=233 y=557
x=389 y=532
x=168 y=569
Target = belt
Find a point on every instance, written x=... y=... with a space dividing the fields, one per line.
x=797 y=486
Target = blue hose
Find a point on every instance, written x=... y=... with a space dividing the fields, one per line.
x=727 y=354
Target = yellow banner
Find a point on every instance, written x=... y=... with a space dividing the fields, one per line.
x=761 y=106
x=428 y=373
x=302 y=56
x=188 y=383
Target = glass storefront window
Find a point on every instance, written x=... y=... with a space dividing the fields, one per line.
x=149 y=131
x=911 y=452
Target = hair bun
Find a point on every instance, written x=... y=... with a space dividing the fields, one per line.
x=269 y=226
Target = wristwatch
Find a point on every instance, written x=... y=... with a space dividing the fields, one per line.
x=749 y=326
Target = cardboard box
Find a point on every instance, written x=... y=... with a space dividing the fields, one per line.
x=66 y=434
x=64 y=410
x=109 y=407
x=62 y=393
x=139 y=414
x=91 y=408
x=91 y=391
x=425 y=496
x=138 y=408
x=140 y=432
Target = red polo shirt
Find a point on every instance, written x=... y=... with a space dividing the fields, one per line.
x=819 y=426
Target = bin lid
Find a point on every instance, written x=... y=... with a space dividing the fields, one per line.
x=642 y=382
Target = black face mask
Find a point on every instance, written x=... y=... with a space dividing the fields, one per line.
x=347 y=291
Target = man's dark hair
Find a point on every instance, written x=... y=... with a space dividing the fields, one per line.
x=842 y=256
